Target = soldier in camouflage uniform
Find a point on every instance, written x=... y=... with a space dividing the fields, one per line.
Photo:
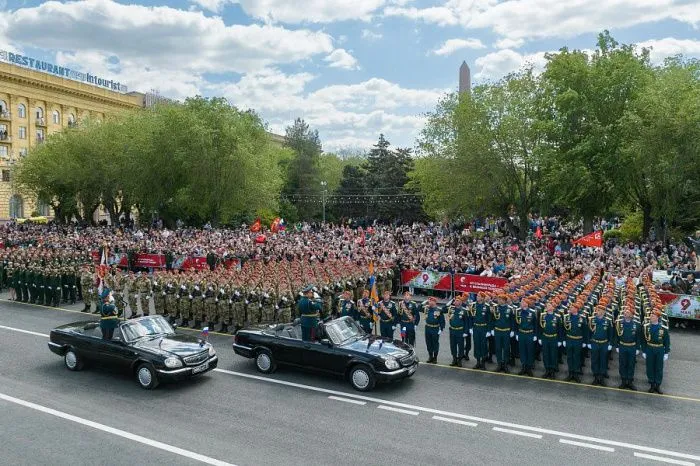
x=285 y=306
x=223 y=304
x=252 y=308
x=198 y=297
x=171 y=287
x=87 y=285
x=268 y=302
x=118 y=288
x=185 y=299
x=210 y=297
x=143 y=296
x=158 y=290
x=72 y=283
x=327 y=299
x=131 y=285
x=56 y=287
x=238 y=306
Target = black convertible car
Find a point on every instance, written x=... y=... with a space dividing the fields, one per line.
x=148 y=347
x=343 y=349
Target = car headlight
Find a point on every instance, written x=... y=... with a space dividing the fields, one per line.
x=391 y=363
x=173 y=362
x=212 y=351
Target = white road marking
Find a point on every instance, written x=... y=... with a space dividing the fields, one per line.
x=446 y=413
x=29 y=332
x=111 y=430
x=517 y=432
x=459 y=416
x=455 y=421
x=586 y=445
x=665 y=460
x=347 y=400
x=398 y=410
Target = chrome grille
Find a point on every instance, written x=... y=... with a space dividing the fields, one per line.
x=197 y=358
x=408 y=360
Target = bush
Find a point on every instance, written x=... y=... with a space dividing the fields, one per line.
x=612 y=234
x=631 y=229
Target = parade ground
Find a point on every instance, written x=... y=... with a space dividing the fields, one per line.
x=234 y=415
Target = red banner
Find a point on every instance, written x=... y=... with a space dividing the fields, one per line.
x=466 y=283
x=591 y=240
x=149 y=260
x=426 y=279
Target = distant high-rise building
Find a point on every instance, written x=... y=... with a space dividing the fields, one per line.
x=465 y=78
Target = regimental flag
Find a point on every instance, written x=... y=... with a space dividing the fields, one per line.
x=256 y=226
x=373 y=296
x=103 y=268
x=275 y=225
x=591 y=240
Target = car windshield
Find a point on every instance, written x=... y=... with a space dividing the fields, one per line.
x=342 y=330
x=152 y=326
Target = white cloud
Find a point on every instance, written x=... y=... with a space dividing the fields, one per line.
x=340 y=58
x=215 y=6
x=370 y=35
x=519 y=20
x=162 y=37
x=452 y=45
x=311 y=11
x=668 y=47
x=497 y=64
x=509 y=43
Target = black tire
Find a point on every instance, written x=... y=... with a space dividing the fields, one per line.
x=264 y=362
x=72 y=361
x=362 y=378
x=146 y=376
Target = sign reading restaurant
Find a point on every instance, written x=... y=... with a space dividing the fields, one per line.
x=62 y=71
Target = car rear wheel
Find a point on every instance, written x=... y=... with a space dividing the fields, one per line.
x=72 y=360
x=146 y=377
x=362 y=378
x=264 y=361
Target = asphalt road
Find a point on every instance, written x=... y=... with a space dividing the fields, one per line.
x=234 y=415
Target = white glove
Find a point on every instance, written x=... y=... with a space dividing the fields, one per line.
x=164 y=293
x=644 y=355
x=517 y=337
x=393 y=327
x=534 y=339
x=540 y=342
x=190 y=296
x=558 y=344
x=610 y=348
x=439 y=332
x=666 y=357
x=617 y=350
x=590 y=346
x=637 y=353
x=465 y=335
x=563 y=343
x=471 y=331
x=512 y=334
x=403 y=328
x=276 y=307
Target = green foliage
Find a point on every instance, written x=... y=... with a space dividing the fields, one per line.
x=201 y=161
x=303 y=176
x=631 y=228
x=612 y=234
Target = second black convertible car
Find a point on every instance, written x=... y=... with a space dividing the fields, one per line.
x=344 y=349
x=148 y=347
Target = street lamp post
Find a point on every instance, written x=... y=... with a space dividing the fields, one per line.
x=323 y=199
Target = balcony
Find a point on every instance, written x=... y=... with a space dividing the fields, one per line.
x=40 y=122
x=5 y=138
x=40 y=140
x=5 y=115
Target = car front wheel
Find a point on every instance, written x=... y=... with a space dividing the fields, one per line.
x=72 y=360
x=362 y=378
x=146 y=377
x=264 y=362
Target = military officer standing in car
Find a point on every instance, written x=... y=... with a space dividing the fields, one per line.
x=309 y=312
x=409 y=318
x=365 y=311
x=434 y=325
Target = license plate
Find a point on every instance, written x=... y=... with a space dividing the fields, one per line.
x=201 y=368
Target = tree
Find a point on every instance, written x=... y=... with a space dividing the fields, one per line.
x=352 y=185
x=303 y=181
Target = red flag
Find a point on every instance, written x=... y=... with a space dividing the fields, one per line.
x=255 y=227
x=591 y=240
x=538 y=232
x=275 y=225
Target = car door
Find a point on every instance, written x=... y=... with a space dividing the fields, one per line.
x=116 y=352
x=288 y=350
x=325 y=357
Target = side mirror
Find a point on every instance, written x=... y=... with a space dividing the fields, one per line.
x=326 y=342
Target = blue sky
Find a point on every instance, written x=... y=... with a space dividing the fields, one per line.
x=352 y=69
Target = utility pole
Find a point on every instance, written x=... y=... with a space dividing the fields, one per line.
x=323 y=199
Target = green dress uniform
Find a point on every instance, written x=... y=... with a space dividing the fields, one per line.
x=657 y=345
x=600 y=343
x=628 y=342
x=108 y=320
x=434 y=325
x=388 y=316
x=347 y=308
x=409 y=318
x=309 y=312
x=364 y=309
x=458 y=327
x=576 y=333
x=526 y=331
x=481 y=323
x=550 y=340
x=503 y=328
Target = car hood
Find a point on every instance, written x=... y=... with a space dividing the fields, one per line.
x=181 y=345
x=379 y=346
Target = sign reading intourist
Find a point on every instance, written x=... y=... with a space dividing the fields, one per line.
x=62 y=71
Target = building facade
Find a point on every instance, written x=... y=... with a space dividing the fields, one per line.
x=34 y=105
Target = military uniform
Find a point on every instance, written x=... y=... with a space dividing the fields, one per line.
x=268 y=310
x=309 y=312
x=576 y=336
x=387 y=318
x=185 y=299
x=550 y=340
x=143 y=296
x=434 y=325
x=131 y=284
x=347 y=308
x=409 y=318
x=526 y=331
x=601 y=335
x=223 y=306
x=87 y=285
x=158 y=291
x=364 y=310
x=657 y=345
x=457 y=318
x=238 y=308
x=503 y=328
x=171 y=288
x=481 y=328
x=628 y=338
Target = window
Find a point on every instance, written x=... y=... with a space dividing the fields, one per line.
x=23 y=152
x=22 y=111
x=43 y=208
x=4 y=134
x=71 y=120
x=39 y=135
x=39 y=113
x=3 y=109
x=16 y=206
x=3 y=153
x=23 y=132
x=6 y=176
x=56 y=116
